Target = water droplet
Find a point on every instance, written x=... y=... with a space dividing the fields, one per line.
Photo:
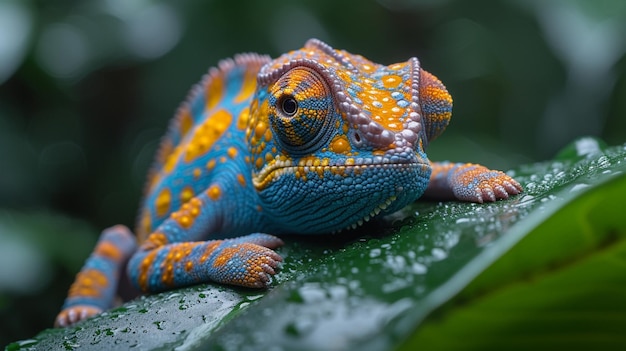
x=438 y=254
x=418 y=268
x=375 y=253
x=578 y=187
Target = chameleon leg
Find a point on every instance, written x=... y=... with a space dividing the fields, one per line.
x=469 y=182
x=173 y=255
x=244 y=261
x=94 y=288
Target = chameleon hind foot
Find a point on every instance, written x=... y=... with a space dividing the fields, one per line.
x=94 y=288
x=75 y=314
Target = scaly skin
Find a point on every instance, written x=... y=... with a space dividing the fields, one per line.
x=315 y=141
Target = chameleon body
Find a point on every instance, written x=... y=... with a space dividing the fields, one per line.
x=315 y=141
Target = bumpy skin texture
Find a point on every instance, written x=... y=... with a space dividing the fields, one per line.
x=315 y=141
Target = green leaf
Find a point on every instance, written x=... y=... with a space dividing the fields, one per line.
x=543 y=269
x=556 y=281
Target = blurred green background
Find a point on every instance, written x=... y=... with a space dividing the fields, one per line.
x=87 y=89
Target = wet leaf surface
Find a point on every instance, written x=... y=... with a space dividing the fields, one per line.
x=433 y=275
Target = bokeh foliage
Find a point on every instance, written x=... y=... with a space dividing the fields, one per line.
x=87 y=88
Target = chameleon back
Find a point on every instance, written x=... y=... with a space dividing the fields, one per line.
x=206 y=134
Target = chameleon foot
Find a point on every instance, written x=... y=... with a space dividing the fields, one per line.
x=75 y=314
x=246 y=261
x=476 y=183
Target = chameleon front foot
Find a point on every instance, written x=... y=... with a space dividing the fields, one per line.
x=247 y=261
x=476 y=183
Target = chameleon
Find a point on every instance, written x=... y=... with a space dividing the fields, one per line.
x=315 y=141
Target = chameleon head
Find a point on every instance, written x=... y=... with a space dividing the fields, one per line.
x=336 y=139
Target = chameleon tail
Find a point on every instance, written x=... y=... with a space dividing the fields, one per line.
x=94 y=288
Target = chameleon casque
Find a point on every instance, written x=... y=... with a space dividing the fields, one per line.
x=315 y=141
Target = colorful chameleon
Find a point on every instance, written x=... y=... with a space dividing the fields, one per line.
x=315 y=141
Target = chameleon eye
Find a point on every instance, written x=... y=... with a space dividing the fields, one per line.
x=300 y=110
x=288 y=105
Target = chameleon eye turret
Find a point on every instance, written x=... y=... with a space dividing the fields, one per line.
x=299 y=109
x=318 y=140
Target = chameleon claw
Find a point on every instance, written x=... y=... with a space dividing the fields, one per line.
x=488 y=194
x=478 y=184
x=500 y=187
x=500 y=192
x=75 y=314
x=265 y=277
x=512 y=187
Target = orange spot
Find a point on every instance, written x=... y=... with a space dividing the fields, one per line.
x=145 y=225
x=391 y=81
x=145 y=268
x=214 y=192
x=108 y=250
x=248 y=86
x=184 y=221
x=167 y=275
x=186 y=194
x=241 y=179
x=172 y=159
x=222 y=159
x=260 y=129
x=224 y=256
x=206 y=134
x=242 y=121
x=154 y=240
x=163 y=202
x=197 y=172
x=232 y=152
x=438 y=169
x=210 y=165
x=214 y=92
x=187 y=213
x=211 y=246
x=185 y=121
x=89 y=282
x=176 y=254
x=340 y=145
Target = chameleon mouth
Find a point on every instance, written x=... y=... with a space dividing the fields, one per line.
x=375 y=212
x=279 y=168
